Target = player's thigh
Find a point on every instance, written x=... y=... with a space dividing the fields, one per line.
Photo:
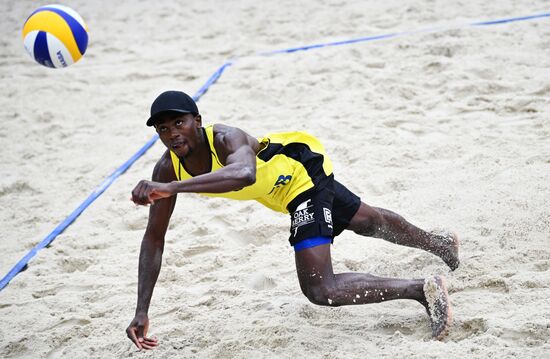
x=314 y=266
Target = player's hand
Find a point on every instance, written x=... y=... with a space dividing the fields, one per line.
x=137 y=331
x=147 y=192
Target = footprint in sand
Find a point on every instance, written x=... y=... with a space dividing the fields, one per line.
x=15 y=188
x=393 y=325
x=200 y=249
x=462 y=330
x=73 y=264
x=484 y=285
x=541 y=266
x=262 y=282
x=45 y=292
x=71 y=322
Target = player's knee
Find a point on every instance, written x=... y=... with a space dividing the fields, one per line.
x=319 y=294
x=368 y=222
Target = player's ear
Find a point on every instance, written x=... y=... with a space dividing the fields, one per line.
x=198 y=120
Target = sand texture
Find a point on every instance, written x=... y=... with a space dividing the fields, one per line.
x=450 y=128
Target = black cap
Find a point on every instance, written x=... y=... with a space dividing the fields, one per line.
x=172 y=101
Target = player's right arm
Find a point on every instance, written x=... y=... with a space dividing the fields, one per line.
x=150 y=256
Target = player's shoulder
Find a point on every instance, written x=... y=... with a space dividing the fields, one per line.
x=224 y=132
x=222 y=129
x=164 y=169
x=228 y=139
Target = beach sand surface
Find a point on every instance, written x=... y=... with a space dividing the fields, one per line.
x=447 y=126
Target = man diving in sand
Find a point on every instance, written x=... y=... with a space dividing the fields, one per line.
x=289 y=173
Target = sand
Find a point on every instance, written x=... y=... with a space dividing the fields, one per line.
x=448 y=128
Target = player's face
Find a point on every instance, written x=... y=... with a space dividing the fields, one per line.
x=180 y=133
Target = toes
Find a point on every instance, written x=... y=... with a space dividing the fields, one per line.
x=439 y=307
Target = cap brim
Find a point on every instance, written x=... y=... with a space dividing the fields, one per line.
x=151 y=121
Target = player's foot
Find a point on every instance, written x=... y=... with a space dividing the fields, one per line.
x=449 y=248
x=438 y=306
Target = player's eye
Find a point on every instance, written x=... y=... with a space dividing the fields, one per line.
x=179 y=122
x=163 y=129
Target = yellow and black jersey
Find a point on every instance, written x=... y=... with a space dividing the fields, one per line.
x=288 y=164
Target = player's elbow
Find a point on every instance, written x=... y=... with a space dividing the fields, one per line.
x=247 y=175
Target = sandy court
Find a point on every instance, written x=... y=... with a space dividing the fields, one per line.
x=448 y=128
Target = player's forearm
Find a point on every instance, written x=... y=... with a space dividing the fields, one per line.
x=150 y=259
x=227 y=179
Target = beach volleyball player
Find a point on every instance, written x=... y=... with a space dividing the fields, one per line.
x=289 y=173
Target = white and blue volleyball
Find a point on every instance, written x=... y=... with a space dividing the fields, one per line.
x=55 y=36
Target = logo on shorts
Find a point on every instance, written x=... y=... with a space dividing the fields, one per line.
x=302 y=216
x=328 y=216
x=281 y=181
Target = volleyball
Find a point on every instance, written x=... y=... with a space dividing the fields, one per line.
x=55 y=36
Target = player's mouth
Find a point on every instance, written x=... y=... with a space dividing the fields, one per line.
x=177 y=144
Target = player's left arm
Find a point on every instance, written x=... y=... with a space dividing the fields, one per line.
x=235 y=148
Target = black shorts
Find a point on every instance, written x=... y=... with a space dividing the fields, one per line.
x=322 y=212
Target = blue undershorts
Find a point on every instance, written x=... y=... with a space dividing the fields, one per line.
x=311 y=242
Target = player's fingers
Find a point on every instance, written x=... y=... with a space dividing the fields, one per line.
x=148 y=345
x=135 y=192
x=143 y=194
x=131 y=332
x=138 y=193
x=151 y=341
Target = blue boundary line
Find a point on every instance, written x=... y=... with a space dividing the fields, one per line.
x=397 y=34
x=23 y=263
x=328 y=44
x=510 y=19
x=213 y=78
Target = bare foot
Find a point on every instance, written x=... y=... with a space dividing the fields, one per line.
x=438 y=306
x=449 y=249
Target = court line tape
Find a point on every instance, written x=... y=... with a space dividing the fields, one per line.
x=399 y=34
x=23 y=263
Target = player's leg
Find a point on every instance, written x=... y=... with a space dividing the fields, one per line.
x=350 y=213
x=385 y=224
x=321 y=286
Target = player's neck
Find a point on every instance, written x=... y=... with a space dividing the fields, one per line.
x=199 y=161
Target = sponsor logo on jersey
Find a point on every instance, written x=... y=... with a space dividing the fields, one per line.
x=281 y=181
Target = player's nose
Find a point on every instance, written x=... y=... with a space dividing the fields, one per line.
x=174 y=133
